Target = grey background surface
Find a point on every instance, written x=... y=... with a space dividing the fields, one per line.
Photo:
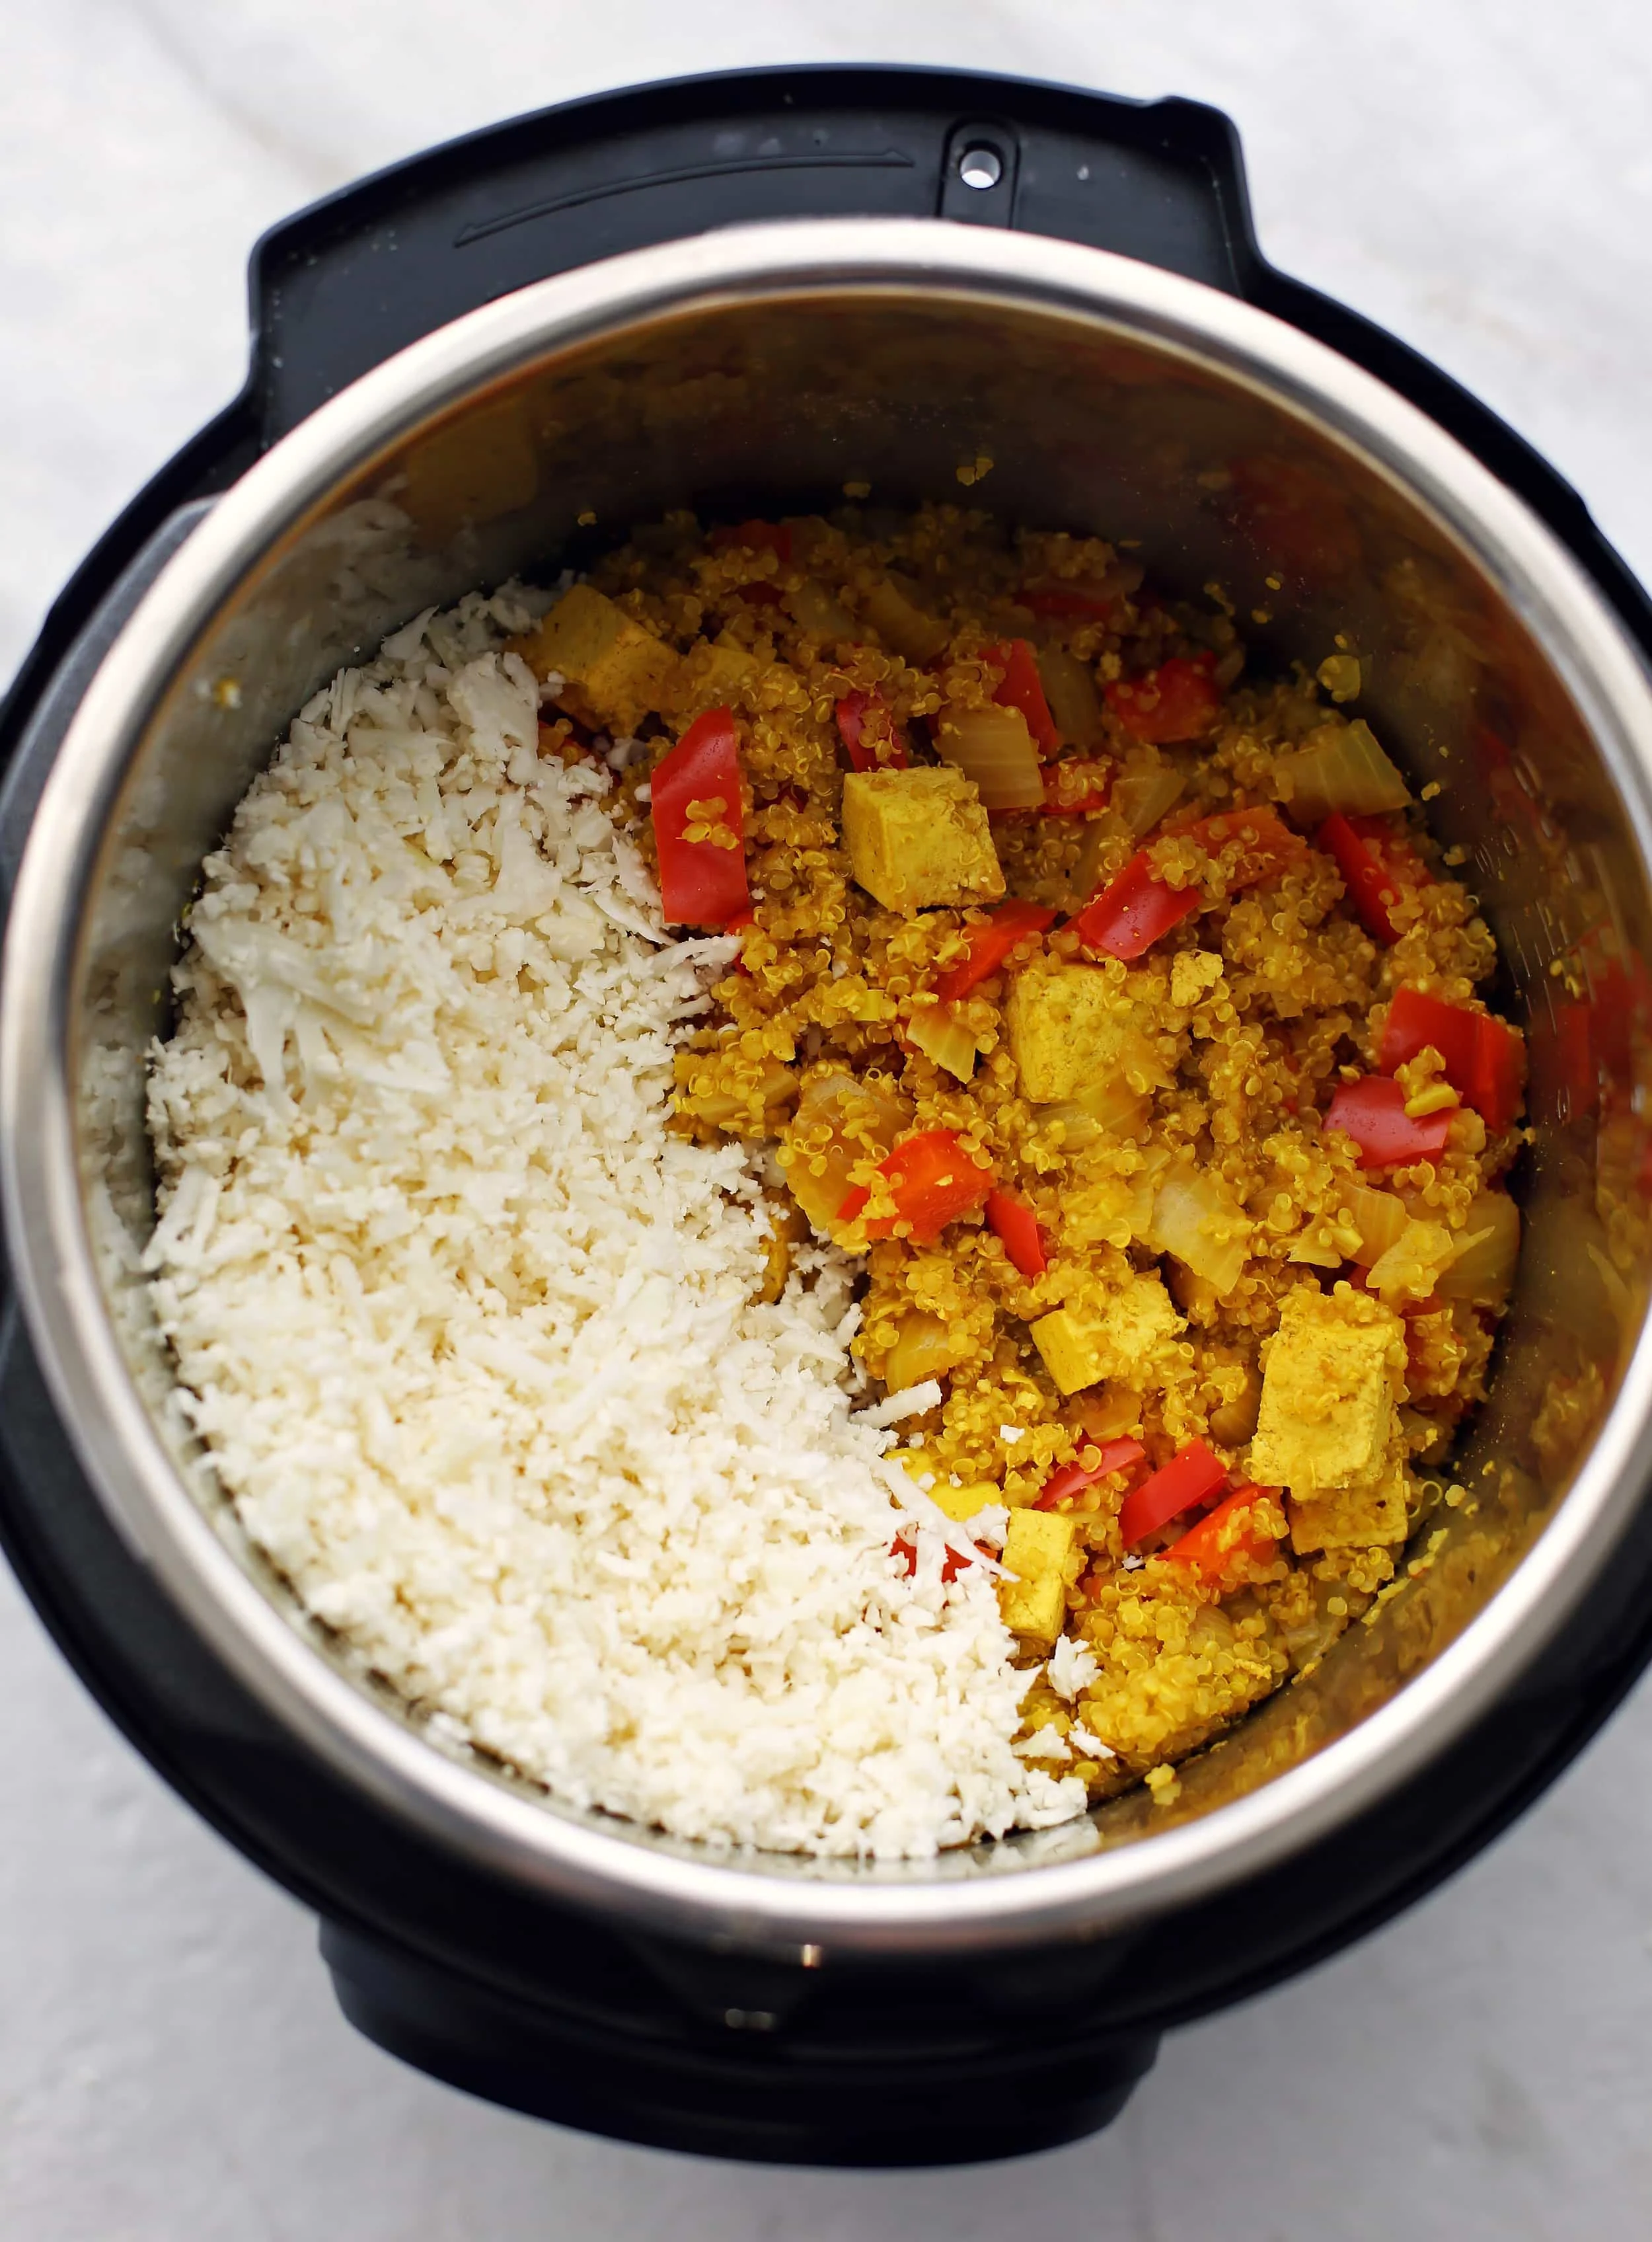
x=1476 y=174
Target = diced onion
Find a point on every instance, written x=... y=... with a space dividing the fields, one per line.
x=1196 y=1218
x=1341 y=766
x=1379 y=1218
x=994 y=747
x=819 y=610
x=1143 y=796
x=1109 y=1108
x=937 y=1031
x=1484 y=1267
x=901 y=623
x=862 y=1121
x=1069 y=686
x=924 y=1348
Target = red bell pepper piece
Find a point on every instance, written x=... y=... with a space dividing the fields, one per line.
x=1372 y=1111
x=952 y=1564
x=1011 y=1220
x=989 y=945
x=1098 y=786
x=1022 y=688
x=933 y=1181
x=1224 y=1534
x=694 y=800
x=1484 y=1057
x=1067 y=602
x=754 y=537
x=1072 y=1479
x=1132 y=911
x=858 y=714
x=1192 y=1475
x=1178 y=700
x=1268 y=844
x=1372 y=887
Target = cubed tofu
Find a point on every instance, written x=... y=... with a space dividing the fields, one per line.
x=1072 y=1028
x=1331 y=1376
x=920 y=837
x=710 y=675
x=1352 y=1518
x=1036 y=1545
x=1081 y=1345
x=1035 y=1610
x=616 y=672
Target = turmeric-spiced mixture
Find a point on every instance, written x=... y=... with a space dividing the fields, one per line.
x=1121 y=1010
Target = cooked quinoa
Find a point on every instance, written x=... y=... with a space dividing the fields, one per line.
x=1228 y=1288
x=839 y=1189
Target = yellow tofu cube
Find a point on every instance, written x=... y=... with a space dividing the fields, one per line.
x=1351 y=1518
x=1117 y=1338
x=1072 y=1028
x=1037 y=1544
x=920 y=837
x=1331 y=1375
x=710 y=675
x=1035 y=1610
x=616 y=672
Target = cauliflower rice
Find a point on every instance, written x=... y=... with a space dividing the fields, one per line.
x=471 y=1334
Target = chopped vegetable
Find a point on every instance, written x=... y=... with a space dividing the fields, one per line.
x=1192 y=1474
x=754 y=537
x=1075 y=787
x=1483 y=1269
x=1372 y=1111
x=1484 y=1057
x=1380 y=1219
x=1196 y=1218
x=1371 y=889
x=994 y=747
x=866 y=728
x=694 y=802
x=925 y=1347
x=932 y=1179
x=841 y=1121
x=936 y=1030
x=819 y=610
x=1178 y=700
x=1134 y=911
x=1267 y=843
x=1022 y=688
x=1101 y=1109
x=1069 y=602
x=1011 y=924
x=1070 y=688
x=1341 y=767
x=1073 y=1478
x=1228 y=1531
x=1142 y=797
x=901 y=623
x=1011 y=1220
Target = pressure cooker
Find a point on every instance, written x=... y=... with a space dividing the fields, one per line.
x=738 y=294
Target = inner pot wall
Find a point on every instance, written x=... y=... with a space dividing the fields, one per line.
x=1110 y=400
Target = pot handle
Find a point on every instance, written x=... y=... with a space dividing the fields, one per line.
x=347 y=282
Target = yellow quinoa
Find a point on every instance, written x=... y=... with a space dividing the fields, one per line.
x=1160 y=1114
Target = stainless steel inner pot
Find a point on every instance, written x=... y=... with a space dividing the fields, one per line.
x=778 y=363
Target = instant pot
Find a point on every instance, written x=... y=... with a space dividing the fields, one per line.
x=742 y=293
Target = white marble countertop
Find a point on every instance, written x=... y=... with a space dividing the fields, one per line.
x=1476 y=174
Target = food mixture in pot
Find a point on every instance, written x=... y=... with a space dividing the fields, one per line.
x=839 y=1189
